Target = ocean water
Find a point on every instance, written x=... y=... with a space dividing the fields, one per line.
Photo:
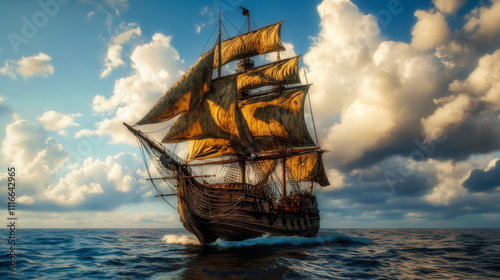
x=175 y=254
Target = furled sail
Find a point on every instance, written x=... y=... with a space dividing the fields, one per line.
x=308 y=167
x=260 y=41
x=217 y=116
x=277 y=121
x=185 y=94
x=281 y=72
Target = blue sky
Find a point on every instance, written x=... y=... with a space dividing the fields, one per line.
x=406 y=97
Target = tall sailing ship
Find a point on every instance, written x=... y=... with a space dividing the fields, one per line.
x=252 y=166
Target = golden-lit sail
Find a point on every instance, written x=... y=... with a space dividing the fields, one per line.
x=281 y=72
x=260 y=41
x=185 y=94
x=308 y=167
x=277 y=121
x=210 y=148
x=217 y=116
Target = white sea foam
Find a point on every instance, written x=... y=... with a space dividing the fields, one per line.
x=180 y=239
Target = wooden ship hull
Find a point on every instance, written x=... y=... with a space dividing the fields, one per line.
x=242 y=211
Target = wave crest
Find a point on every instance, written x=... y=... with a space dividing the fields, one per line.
x=267 y=240
x=180 y=239
x=291 y=240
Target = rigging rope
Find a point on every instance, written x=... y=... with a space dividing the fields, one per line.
x=239 y=33
x=208 y=40
x=141 y=148
x=149 y=132
x=310 y=106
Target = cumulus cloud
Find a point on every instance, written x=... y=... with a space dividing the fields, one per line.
x=377 y=89
x=114 y=53
x=51 y=183
x=25 y=199
x=484 y=22
x=484 y=180
x=448 y=6
x=450 y=114
x=113 y=59
x=33 y=151
x=430 y=31
x=373 y=98
x=156 y=65
x=484 y=82
x=95 y=179
x=8 y=69
x=289 y=50
x=402 y=121
x=339 y=53
x=37 y=65
x=53 y=120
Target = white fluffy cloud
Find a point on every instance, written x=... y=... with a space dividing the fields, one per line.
x=450 y=177
x=377 y=88
x=113 y=59
x=114 y=53
x=126 y=35
x=484 y=21
x=93 y=177
x=483 y=84
x=37 y=65
x=484 y=81
x=29 y=148
x=448 y=6
x=452 y=113
x=49 y=179
x=430 y=31
x=53 y=120
x=156 y=66
x=338 y=54
x=25 y=199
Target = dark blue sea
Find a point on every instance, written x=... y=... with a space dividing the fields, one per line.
x=175 y=254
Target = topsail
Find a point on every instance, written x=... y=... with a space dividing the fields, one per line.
x=261 y=41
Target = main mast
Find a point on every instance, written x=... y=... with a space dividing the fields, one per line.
x=219 y=42
x=245 y=66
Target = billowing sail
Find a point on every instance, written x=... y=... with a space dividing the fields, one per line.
x=185 y=94
x=308 y=167
x=210 y=148
x=282 y=72
x=260 y=41
x=217 y=116
x=277 y=121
